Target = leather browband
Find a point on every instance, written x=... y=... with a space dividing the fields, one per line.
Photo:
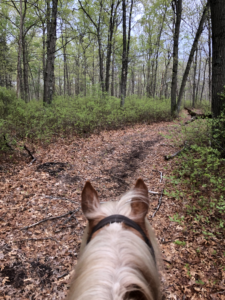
x=126 y=221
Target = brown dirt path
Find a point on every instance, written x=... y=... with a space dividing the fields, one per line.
x=37 y=262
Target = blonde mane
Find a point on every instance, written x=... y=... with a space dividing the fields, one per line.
x=117 y=264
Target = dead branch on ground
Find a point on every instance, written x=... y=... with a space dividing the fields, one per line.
x=154 y=193
x=159 y=203
x=36 y=240
x=161 y=174
x=194 y=114
x=31 y=155
x=50 y=219
x=167 y=157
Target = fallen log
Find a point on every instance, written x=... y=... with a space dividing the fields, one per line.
x=168 y=157
x=194 y=114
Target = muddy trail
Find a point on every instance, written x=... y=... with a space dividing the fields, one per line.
x=41 y=219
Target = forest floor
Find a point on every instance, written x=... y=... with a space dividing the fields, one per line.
x=41 y=223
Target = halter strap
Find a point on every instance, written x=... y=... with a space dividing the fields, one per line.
x=126 y=221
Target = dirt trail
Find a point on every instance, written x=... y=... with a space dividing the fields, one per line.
x=37 y=262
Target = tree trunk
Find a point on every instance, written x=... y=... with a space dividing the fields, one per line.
x=93 y=67
x=113 y=69
x=199 y=75
x=126 y=49
x=148 y=90
x=190 y=59
x=194 y=78
x=177 y=7
x=66 y=90
x=123 y=88
x=157 y=51
x=43 y=50
x=113 y=15
x=203 y=85
x=210 y=55
x=218 y=60
x=132 y=81
x=25 y=71
x=19 y=69
x=51 y=45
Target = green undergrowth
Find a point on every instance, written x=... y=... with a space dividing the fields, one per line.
x=198 y=179
x=72 y=115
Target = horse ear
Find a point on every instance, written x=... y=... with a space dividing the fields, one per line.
x=89 y=199
x=139 y=205
x=141 y=186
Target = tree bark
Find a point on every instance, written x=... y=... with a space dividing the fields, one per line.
x=157 y=51
x=51 y=45
x=113 y=69
x=190 y=59
x=126 y=49
x=194 y=79
x=43 y=50
x=177 y=7
x=113 y=15
x=203 y=85
x=210 y=55
x=19 y=69
x=218 y=58
x=25 y=71
x=123 y=88
x=199 y=75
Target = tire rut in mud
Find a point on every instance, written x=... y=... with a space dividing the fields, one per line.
x=129 y=163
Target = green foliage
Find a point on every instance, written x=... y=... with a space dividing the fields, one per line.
x=180 y=243
x=188 y=270
x=199 y=178
x=176 y=218
x=7 y=98
x=199 y=282
x=80 y=115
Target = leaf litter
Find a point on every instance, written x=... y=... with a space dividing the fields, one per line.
x=42 y=222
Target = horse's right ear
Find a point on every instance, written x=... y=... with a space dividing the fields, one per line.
x=89 y=199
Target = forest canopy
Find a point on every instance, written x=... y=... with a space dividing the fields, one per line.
x=119 y=47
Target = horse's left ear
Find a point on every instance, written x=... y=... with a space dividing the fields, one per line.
x=89 y=199
x=139 y=205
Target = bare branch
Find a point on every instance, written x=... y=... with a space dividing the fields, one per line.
x=50 y=219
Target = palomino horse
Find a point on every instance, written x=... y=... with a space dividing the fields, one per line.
x=118 y=258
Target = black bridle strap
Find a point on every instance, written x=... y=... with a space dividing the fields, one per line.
x=126 y=221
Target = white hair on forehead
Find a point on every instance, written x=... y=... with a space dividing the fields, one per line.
x=116 y=262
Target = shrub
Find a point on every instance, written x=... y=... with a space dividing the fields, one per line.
x=69 y=115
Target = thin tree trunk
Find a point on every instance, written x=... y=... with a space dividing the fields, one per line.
x=93 y=66
x=25 y=72
x=148 y=76
x=19 y=69
x=113 y=69
x=199 y=75
x=43 y=50
x=203 y=84
x=132 y=81
x=194 y=78
x=113 y=14
x=157 y=51
x=126 y=49
x=210 y=55
x=123 y=88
